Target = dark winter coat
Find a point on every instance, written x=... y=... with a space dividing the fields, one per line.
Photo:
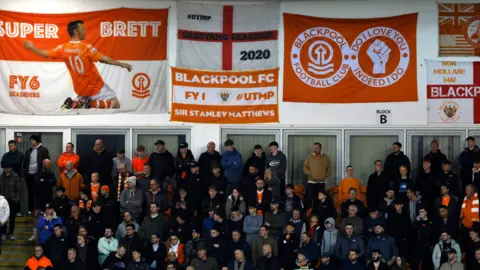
x=10 y=187
x=258 y=162
x=467 y=157
x=62 y=207
x=384 y=243
x=13 y=159
x=206 y=162
x=56 y=249
x=393 y=163
x=182 y=164
x=436 y=159
x=345 y=244
x=131 y=243
x=162 y=164
x=98 y=223
x=265 y=263
x=452 y=181
x=150 y=226
x=42 y=153
x=76 y=265
x=141 y=265
x=324 y=210
x=190 y=250
x=100 y=162
x=159 y=198
x=248 y=189
x=287 y=249
x=278 y=164
x=232 y=166
x=376 y=188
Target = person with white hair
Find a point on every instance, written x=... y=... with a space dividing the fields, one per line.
x=131 y=199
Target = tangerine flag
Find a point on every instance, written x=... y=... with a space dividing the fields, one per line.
x=350 y=60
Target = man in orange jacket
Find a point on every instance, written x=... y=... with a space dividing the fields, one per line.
x=38 y=260
x=470 y=207
x=72 y=181
x=68 y=155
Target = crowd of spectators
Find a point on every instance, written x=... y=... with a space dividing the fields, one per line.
x=161 y=211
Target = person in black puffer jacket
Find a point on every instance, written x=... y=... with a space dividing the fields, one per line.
x=13 y=158
x=162 y=163
x=138 y=263
x=324 y=208
x=257 y=159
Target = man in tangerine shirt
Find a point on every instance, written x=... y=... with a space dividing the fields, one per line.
x=139 y=161
x=80 y=58
x=68 y=155
x=347 y=183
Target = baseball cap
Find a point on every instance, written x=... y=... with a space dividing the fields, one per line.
x=275 y=201
x=183 y=145
x=48 y=206
x=160 y=142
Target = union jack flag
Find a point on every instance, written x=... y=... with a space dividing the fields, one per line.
x=455 y=14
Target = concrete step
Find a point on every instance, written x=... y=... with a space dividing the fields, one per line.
x=11 y=250
x=19 y=242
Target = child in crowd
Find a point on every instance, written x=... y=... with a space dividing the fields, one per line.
x=85 y=203
x=95 y=186
x=315 y=230
x=347 y=183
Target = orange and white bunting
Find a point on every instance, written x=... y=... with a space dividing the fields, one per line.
x=224 y=97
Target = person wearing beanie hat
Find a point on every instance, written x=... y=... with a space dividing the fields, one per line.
x=131 y=199
x=108 y=204
x=192 y=245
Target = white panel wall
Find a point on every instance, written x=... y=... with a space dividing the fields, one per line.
x=291 y=114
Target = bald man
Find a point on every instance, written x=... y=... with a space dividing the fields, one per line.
x=206 y=160
x=71 y=181
x=98 y=160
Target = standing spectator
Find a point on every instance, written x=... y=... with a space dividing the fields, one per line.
x=476 y=174
x=275 y=220
x=237 y=243
x=138 y=263
x=155 y=253
x=273 y=183
x=131 y=242
x=348 y=242
x=403 y=184
x=247 y=185
x=470 y=154
x=240 y=262
x=45 y=225
x=269 y=260
x=353 y=263
x=400 y=228
x=174 y=246
x=277 y=162
x=38 y=260
x=13 y=158
x=262 y=240
x=287 y=246
x=448 y=200
x=33 y=163
x=95 y=187
x=318 y=168
x=235 y=199
x=131 y=199
x=232 y=165
x=139 y=162
x=74 y=222
x=353 y=219
x=10 y=189
x=122 y=228
x=377 y=185
x=162 y=163
x=252 y=224
x=214 y=200
x=99 y=221
x=263 y=197
x=56 y=246
x=218 y=180
x=116 y=260
x=191 y=247
x=119 y=182
x=257 y=159
x=100 y=161
x=386 y=206
x=347 y=183
x=436 y=157
x=291 y=201
x=182 y=164
x=106 y=245
x=352 y=200
x=330 y=238
x=4 y=214
x=68 y=155
x=121 y=159
x=309 y=248
x=152 y=224
x=383 y=243
x=72 y=263
x=155 y=195
x=426 y=184
x=315 y=231
x=453 y=262
x=108 y=204
x=45 y=180
x=323 y=207
x=71 y=181
x=204 y=262
x=206 y=161
x=442 y=250
x=422 y=242
x=451 y=180
x=394 y=160
x=377 y=262
x=470 y=207
x=235 y=220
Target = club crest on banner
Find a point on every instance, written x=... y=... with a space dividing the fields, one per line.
x=224 y=96
x=449 y=111
x=471 y=31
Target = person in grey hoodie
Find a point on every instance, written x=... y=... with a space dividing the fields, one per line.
x=330 y=238
x=277 y=163
x=131 y=199
x=251 y=224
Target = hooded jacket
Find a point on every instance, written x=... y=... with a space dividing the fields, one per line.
x=162 y=164
x=182 y=164
x=278 y=164
x=47 y=232
x=13 y=159
x=393 y=163
x=65 y=157
x=437 y=252
x=56 y=249
x=330 y=238
x=10 y=187
x=72 y=183
x=131 y=199
x=230 y=203
x=258 y=162
x=232 y=166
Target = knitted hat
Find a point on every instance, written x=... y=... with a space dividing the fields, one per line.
x=132 y=179
x=105 y=188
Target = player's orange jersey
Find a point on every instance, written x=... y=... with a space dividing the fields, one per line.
x=80 y=59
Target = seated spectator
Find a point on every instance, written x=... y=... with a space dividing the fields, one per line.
x=472 y=245
x=137 y=261
x=402 y=184
x=84 y=202
x=275 y=220
x=287 y=246
x=262 y=197
x=74 y=222
x=98 y=222
x=400 y=264
x=330 y=238
x=87 y=252
x=235 y=222
x=444 y=222
x=240 y=262
x=323 y=207
x=208 y=222
x=315 y=230
x=346 y=184
x=251 y=224
x=260 y=241
x=248 y=185
x=352 y=199
x=383 y=243
x=191 y=247
x=300 y=226
x=95 y=186
x=387 y=205
x=353 y=262
x=235 y=199
x=71 y=181
x=218 y=180
x=155 y=252
x=302 y=261
x=399 y=227
x=183 y=210
x=222 y=225
x=234 y=243
x=106 y=245
x=152 y=224
x=273 y=183
x=131 y=199
x=61 y=204
x=309 y=248
x=119 y=182
x=291 y=202
x=155 y=195
x=326 y=264
x=10 y=188
x=38 y=260
x=116 y=260
x=174 y=246
x=121 y=159
x=214 y=200
x=348 y=242
x=449 y=179
x=470 y=207
x=46 y=223
x=372 y=220
x=269 y=260
x=202 y=261
x=414 y=204
x=377 y=262
x=138 y=164
x=477 y=258
x=217 y=247
x=66 y=156
x=454 y=261
x=72 y=262
x=353 y=219
x=377 y=185
x=257 y=159
x=441 y=252
x=422 y=242
x=108 y=205
x=131 y=242
x=56 y=246
x=122 y=227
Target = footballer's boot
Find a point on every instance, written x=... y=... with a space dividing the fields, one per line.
x=67 y=104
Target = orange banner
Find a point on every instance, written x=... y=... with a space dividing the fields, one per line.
x=350 y=60
x=123 y=33
x=224 y=97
